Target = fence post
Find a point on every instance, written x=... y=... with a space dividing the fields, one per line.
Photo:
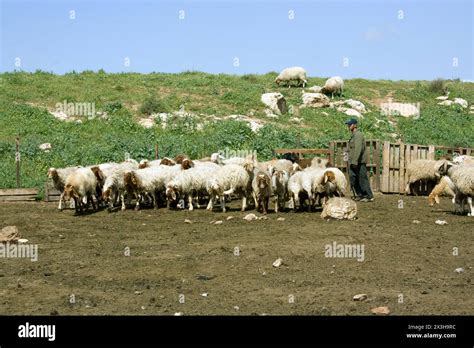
x=402 y=168
x=156 y=151
x=17 y=161
x=386 y=166
x=46 y=192
x=377 y=165
x=431 y=152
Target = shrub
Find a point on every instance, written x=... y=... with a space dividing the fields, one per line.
x=152 y=105
x=437 y=86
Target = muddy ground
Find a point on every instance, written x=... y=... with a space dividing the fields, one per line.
x=84 y=256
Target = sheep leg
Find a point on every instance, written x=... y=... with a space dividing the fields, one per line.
x=137 y=205
x=469 y=201
x=255 y=200
x=244 y=203
x=277 y=202
x=190 y=201
x=210 y=205
x=61 y=197
x=265 y=205
x=154 y=198
x=93 y=204
x=122 y=199
x=222 y=198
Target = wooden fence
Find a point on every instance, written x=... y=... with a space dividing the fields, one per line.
x=387 y=161
x=18 y=194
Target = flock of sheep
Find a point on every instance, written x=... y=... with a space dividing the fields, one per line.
x=455 y=178
x=332 y=85
x=181 y=180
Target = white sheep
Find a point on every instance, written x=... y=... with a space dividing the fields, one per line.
x=262 y=190
x=280 y=188
x=143 y=182
x=463 y=159
x=231 y=178
x=421 y=169
x=333 y=182
x=295 y=73
x=333 y=85
x=114 y=185
x=82 y=185
x=191 y=182
x=59 y=176
x=295 y=189
x=462 y=177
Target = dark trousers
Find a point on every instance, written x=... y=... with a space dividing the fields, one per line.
x=360 y=181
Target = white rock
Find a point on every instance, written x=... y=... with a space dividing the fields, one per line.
x=250 y=217
x=275 y=101
x=281 y=219
x=230 y=217
x=278 y=262
x=178 y=314
x=296 y=120
x=188 y=221
x=356 y=105
x=459 y=270
x=353 y=112
x=441 y=222
x=460 y=101
x=359 y=297
x=442 y=97
x=339 y=208
x=146 y=122
x=60 y=115
x=204 y=294
x=315 y=100
x=236 y=308
x=218 y=222
x=255 y=126
x=269 y=113
x=45 y=147
x=446 y=103
x=400 y=109
x=416 y=221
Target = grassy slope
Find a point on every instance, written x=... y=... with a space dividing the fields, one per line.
x=24 y=98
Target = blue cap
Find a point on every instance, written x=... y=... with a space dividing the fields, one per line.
x=351 y=121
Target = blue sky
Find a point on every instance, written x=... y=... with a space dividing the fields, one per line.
x=424 y=44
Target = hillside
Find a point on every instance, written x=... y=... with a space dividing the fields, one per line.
x=203 y=126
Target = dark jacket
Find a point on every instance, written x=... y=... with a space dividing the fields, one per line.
x=358 y=152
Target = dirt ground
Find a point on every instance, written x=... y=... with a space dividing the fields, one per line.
x=83 y=258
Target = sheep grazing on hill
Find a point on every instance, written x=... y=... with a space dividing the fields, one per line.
x=462 y=176
x=333 y=85
x=59 y=176
x=280 y=188
x=82 y=185
x=229 y=179
x=421 y=169
x=288 y=75
x=262 y=190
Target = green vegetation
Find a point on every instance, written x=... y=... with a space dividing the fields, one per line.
x=25 y=99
